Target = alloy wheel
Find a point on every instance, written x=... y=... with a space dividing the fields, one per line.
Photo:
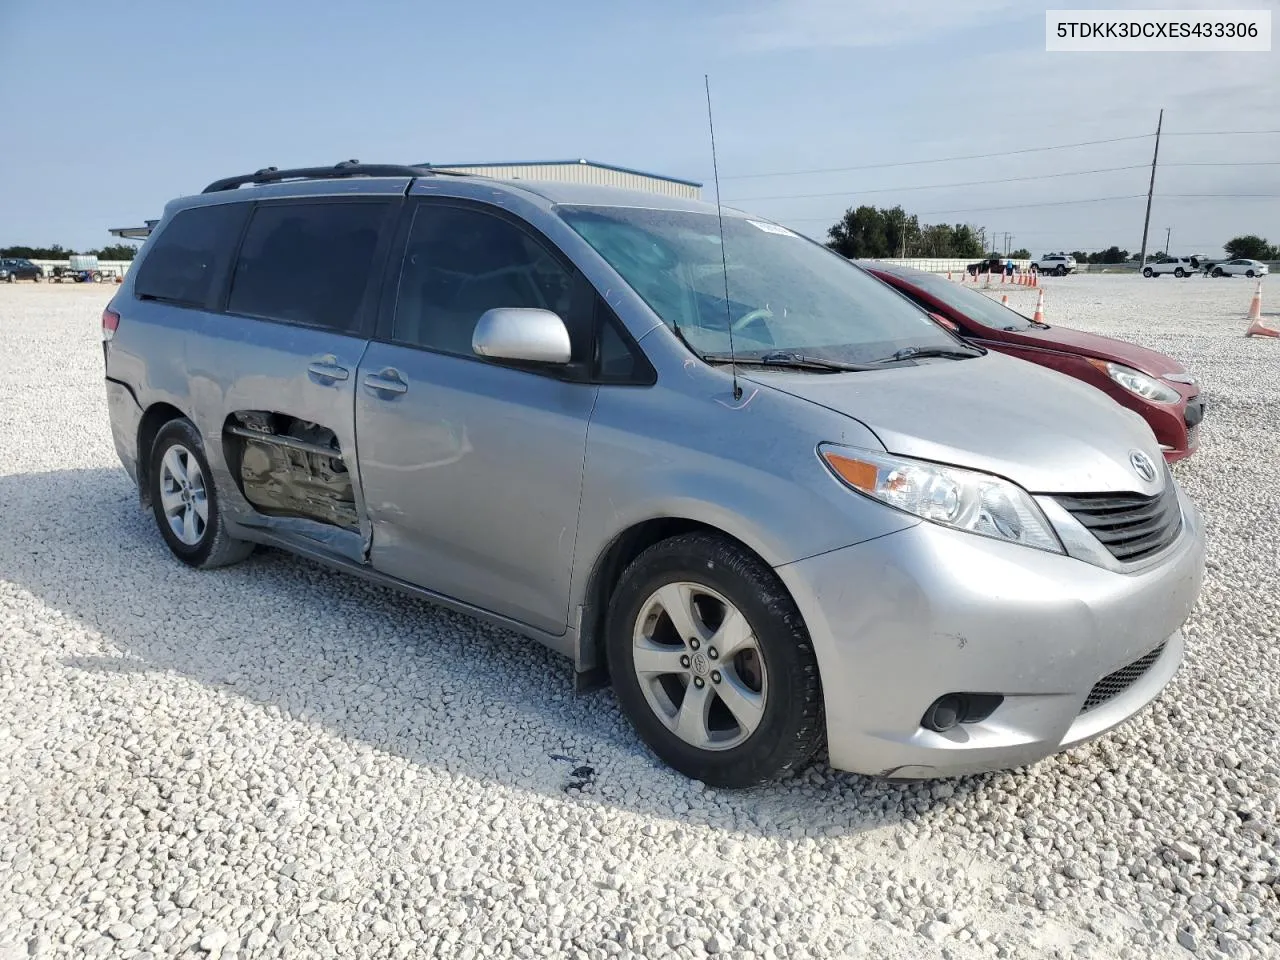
x=183 y=495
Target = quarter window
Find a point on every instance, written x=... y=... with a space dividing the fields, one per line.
x=308 y=263
x=190 y=256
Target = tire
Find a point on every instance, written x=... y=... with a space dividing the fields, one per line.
x=11 y=279
x=1179 y=272
x=1217 y=272
x=205 y=543
x=1249 y=274
x=1059 y=271
x=773 y=679
x=37 y=278
x=1147 y=272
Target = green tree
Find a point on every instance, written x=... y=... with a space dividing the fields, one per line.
x=1022 y=253
x=1250 y=247
x=116 y=251
x=868 y=231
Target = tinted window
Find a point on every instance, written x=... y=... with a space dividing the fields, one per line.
x=307 y=263
x=460 y=262
x=190 y=256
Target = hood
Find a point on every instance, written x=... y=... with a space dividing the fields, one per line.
x=1046 y=432
x=1150 y=362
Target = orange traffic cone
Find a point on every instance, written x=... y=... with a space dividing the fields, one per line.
x=1256 y=327
x=1038 y=316
x=986 y=280
x=1035 y=279
x=1004 y=299
x=1004 y=277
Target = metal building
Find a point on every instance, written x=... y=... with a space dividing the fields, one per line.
x=580 y=171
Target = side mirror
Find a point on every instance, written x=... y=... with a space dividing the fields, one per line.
x=522 y=333
x=942 y=321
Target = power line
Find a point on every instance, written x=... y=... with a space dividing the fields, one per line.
x=913 y=163
x=1222 y=133
x=1068 y=203
x=1023 y=206
x=939 y=186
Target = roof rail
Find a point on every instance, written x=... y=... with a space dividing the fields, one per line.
x=347 y=168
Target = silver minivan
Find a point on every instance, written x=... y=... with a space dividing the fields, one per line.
x=777 y=506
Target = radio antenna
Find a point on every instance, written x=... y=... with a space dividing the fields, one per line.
x=724 y=259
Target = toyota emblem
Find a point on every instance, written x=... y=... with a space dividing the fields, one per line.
x=1143 y=466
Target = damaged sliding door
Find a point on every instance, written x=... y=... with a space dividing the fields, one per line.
x=285 y=354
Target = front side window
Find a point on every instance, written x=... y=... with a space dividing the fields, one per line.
x=190 y=255
x=308 y=263
x=460 y=262
x=785 y=293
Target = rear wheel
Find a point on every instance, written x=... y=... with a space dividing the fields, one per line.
x=1179 y=272
x=1249 y=274
x=1148 y=272
x=1059 y=271
x=712 y=663
x=185 y=500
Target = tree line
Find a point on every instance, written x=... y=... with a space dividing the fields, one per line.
x=115 y=251
x=875 y=232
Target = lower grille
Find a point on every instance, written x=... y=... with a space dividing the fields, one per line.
x=1129 y=525
x=1114 y=684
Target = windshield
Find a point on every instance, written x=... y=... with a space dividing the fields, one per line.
x=786 y=293
x=974 y=305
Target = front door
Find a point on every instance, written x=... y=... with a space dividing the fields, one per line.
x=472 y=469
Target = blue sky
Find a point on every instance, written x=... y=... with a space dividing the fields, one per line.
x=144 y=101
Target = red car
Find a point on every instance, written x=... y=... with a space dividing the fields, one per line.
x=1155 y=386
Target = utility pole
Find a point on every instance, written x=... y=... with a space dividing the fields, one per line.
x=1150 y=190
x=1168 y=232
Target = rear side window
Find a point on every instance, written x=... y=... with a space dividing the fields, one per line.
x=191 y=255
x=308 y=263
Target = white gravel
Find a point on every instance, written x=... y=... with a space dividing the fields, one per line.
x=275 y=760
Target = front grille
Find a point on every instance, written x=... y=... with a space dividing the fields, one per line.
x=1130 y=525
x=1114 y=684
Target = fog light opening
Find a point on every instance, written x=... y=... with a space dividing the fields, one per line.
x=953 y=709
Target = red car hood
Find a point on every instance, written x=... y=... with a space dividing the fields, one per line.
x=1090 y=344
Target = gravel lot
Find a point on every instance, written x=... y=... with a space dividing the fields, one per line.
x=275 y=760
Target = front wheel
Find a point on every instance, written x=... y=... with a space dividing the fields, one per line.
x=1059 y=271
x=1179 y=272
x=1217 y=271
x=1147 y=272
x=712 y=664
x=185 y=500
x=11 y=278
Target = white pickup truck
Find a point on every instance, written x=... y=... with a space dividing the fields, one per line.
x=1059 y=264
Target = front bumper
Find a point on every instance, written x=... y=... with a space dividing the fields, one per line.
x=903 y=619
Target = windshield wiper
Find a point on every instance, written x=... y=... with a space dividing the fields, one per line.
x=912 y=353
x=792 y=361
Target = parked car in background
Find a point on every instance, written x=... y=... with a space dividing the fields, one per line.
x=1240 y=268
x=13 y=269
x=1203 y=264
x=1178 y=266
x=1151 y=384
x=989 y=265
x=709 y=459
x=1058 y=264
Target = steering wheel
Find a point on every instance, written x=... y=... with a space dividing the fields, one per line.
x=760 y=313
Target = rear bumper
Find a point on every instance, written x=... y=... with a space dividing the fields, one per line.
x=125 y=416
x=900 y=621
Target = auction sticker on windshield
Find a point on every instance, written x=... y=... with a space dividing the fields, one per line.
x=772 y=228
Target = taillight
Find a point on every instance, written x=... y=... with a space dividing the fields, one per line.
x=110 y=321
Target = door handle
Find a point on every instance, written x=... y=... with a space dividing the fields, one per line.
x=386 y=381
x=327 y=369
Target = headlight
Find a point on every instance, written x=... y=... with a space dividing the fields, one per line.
x=963 y=499
x=1137 y=382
